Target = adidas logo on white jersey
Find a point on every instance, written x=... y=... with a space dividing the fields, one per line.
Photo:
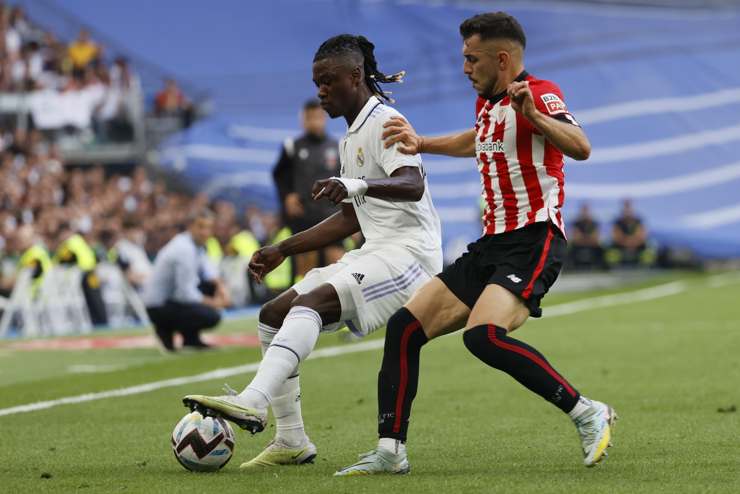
x=358 y=277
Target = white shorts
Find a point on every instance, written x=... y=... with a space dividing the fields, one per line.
x=371 y=285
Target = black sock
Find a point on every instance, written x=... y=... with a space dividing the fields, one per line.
x=522 y=362
x=399 y=374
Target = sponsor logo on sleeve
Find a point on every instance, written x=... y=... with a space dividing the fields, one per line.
x=496 y=146
x=553 y=103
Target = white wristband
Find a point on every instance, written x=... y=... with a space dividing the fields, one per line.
x=354 y=186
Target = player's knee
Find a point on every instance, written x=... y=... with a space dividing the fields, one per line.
x=310 y=300
x=478 y=342
x=323 y=299
x=273 y=312
x=399 y=324
x=396 y=324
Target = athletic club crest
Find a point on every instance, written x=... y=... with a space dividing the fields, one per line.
x=360 y=157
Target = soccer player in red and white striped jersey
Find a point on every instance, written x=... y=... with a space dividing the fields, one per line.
x=522 y=131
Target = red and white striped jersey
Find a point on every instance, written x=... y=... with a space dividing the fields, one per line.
x=521 y=172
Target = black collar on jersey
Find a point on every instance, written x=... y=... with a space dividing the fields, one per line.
x=502 y=94
x=370 y=105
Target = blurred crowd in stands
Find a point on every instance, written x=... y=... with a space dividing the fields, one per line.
x=56 y=213
x=53 y=202
x=75 y=87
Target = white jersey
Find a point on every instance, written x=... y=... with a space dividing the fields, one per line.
x=413 y=225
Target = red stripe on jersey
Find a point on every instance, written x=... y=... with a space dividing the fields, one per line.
x=529 y=172
x=485 y=171
x=504 y=180
x=488 y=223
x=554 y=166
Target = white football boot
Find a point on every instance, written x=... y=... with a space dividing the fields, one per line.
x=377 y=461
x=278 y=453
x=230 y=407
x=595 y=427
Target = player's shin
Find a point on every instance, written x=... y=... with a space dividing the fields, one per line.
x=494 y=347
x=398 y=378
x=286 y=406
x=293 y=343
x=287 y=410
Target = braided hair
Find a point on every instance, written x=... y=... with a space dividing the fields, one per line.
x=360 y=46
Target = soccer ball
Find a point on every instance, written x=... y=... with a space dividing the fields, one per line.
x=202 y=444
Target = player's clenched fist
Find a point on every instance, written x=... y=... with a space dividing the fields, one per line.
x=521 y=97
x=331 y=188
x=398 y=130
x=265 y=260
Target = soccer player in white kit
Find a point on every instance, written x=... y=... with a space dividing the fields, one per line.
x=383 y=193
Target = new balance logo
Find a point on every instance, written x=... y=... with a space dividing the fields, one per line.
x=514 y=278
x=358 y=277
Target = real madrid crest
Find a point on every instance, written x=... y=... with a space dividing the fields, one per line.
x=360 y=157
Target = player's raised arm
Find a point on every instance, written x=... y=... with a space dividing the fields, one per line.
x=398 y=130
x=336 y=227
x=404 y=184
x=568 y=137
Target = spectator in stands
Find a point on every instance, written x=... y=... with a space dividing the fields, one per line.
x=184 y=294
x=629 y=239
x=584 y=241
x=32 y=254
x=32 y=251
x=74 y=250
x=309 y=157
x=170 y=101
x=11 y=37
x=83 y=50
x=127 y=254
x=130 y=247
x=18 y=22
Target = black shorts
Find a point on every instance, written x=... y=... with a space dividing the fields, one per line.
x=526 y=262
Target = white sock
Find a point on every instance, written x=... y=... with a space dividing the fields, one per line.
x=393 y=445
x=287 y=411
x=286 y=406
x=293 y=343
x=266 y=334
x=582 y=405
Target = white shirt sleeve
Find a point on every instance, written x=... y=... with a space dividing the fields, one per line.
x=391 y=159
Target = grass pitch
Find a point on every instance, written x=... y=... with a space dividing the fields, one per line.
x=670 y=366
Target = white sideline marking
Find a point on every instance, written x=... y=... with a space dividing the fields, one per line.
x=724 y=279
x=640 y=295
x=179 y=381
x=93 y=368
